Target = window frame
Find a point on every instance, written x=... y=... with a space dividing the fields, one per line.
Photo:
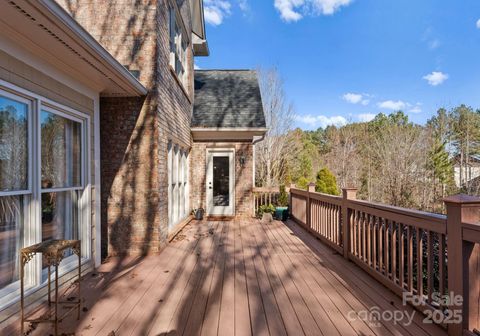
x=59 y=112
x=181 y=42
x=5 y=92
x=178 y=186
x=35 y=276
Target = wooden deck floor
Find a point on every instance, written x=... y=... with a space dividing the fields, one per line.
x=237 y=278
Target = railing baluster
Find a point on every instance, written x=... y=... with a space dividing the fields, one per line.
x=374 y=242
x=430 y=269
x=419 y=262
x=401 y=256
x=441 y=264
x=394 y=252
x=386 y=247
x=410 y=258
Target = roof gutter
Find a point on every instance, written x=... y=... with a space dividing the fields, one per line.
x=51 y=8
x=254 y=142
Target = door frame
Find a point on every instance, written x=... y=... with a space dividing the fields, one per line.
x=219 y=210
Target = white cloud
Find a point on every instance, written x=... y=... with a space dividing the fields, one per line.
x=196 y=67
x=366 y=117
x=244 y=6
x=434 y=44
x=215 y=11
x=478 y=24
x=321 y=120
x=417 y=108
x=356 y=98
x=392 y=105
x=294 y=10
x=435 y=78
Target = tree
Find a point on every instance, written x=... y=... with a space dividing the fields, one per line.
x=271 y=153
x=326 y=182
x=465 y=140
x=302 y=183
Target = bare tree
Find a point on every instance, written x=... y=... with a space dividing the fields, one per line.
x=272 y=151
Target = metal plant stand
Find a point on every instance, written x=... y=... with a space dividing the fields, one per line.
x=53 y=253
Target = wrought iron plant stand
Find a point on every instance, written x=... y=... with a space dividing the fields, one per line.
x=53 y=252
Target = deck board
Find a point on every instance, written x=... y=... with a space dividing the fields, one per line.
x=240 y=277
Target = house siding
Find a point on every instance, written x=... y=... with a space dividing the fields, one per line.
x=135 y=132
x=243 y=175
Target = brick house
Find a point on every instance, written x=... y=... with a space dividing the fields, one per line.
x=109 y=135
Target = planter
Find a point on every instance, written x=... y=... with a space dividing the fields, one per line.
x=281 y=213
x=199 y=214
x=267 y=217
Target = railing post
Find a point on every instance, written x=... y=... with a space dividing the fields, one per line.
x=311 y=188
x=290 y=205
x=461 y=256
x=348 y=194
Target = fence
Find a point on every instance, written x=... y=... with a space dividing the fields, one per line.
x=264 y=196
x=409 y=251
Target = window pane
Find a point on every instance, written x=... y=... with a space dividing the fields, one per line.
x=60 y=216
x=61 y=151
x=221 y=181
x=11 y=237
x=13 y=145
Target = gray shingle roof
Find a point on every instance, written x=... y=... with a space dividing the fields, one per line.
x=227 y=98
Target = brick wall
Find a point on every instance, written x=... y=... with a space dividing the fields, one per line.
x=243 y=175
x=135 y=131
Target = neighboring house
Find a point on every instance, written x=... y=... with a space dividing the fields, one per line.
x=91 y=150
x=466 y=174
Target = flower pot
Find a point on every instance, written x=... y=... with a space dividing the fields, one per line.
x=199 y=214
x=267 y=217
x=281 y=213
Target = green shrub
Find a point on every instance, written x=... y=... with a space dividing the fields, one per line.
x=302 y=183
x=326 y=182
x=266 y=209
x=283 y=197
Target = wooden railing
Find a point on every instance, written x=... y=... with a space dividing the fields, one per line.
x=404 y=249
x=264 y=196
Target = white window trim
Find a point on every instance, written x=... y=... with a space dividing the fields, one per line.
x=34 y=279
x=85 y=122
x=178 y=186
x=7 y=93
x=181 y=40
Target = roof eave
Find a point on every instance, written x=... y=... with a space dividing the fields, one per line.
x=227 y=133
x=129 y=82
x=200 y=46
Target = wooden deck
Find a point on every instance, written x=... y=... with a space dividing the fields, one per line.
x=237 y=278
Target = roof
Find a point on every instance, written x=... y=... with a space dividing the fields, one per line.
x=67 y=46
x=227 y=99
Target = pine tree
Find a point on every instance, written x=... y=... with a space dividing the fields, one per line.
x=326 y=182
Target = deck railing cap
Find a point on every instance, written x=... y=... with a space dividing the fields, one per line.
x=462 y=199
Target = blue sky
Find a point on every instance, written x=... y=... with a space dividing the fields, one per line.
x=347 y=60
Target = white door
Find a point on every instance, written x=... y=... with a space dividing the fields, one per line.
x=220 y=182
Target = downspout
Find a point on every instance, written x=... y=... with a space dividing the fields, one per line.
x=254 y=142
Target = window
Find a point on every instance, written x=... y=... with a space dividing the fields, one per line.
x=14 y=137
x=44 y=190
x=178 y=46
x=61 y=151
x=15 y=193
x=61 y=166
x=178 y=192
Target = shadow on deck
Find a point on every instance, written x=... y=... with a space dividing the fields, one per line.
x=239 y=278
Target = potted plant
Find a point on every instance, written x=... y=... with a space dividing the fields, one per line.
x=281 y=211
x=266 y=212
x=198 y=213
